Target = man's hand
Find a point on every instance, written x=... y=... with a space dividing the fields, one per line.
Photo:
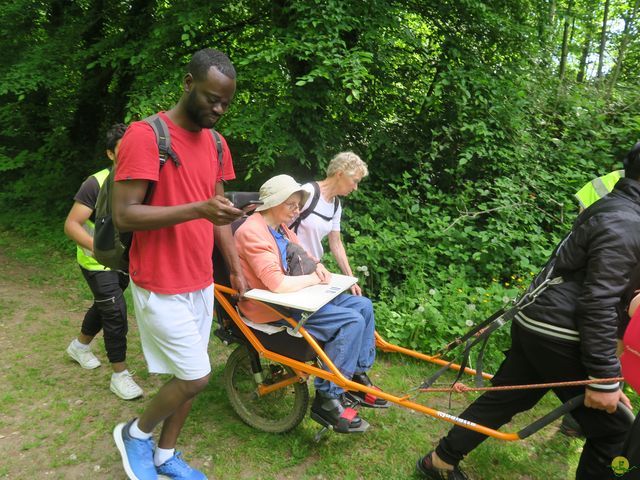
x=356 y=290
x=607 y=401
x=625 y=400
x=323 y=274
x=238 y=283
x=219 y=210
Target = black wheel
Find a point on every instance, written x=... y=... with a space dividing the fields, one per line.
x=276 y=412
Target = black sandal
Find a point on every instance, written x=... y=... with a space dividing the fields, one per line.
x=366 y=399
x=335 y=413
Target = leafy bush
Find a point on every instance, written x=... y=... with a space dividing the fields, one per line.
x=433 y=243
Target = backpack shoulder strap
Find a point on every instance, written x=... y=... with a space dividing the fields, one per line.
x=314 y=200
x=309 y=210
x=163 y=138
x=103 y=202
x=219 y=151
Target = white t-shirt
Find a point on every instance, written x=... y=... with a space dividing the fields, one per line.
x=314 y=228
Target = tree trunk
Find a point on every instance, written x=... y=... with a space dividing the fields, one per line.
x=583 y=58
x=93 y=87
x=545 y=27
x=624 y=42
x=565 y=41
x=137 y=26
x=603 y=38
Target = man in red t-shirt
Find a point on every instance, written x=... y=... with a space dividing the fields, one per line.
x=170 y=258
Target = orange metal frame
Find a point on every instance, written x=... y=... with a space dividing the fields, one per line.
x=303 y=370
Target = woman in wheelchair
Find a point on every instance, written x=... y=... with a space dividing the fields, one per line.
x=345 y=325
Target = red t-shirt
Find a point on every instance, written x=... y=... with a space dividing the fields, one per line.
x=175 y=259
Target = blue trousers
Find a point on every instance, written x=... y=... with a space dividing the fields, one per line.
x=346 y=325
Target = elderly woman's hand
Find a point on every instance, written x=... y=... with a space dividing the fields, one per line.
x=323 y=274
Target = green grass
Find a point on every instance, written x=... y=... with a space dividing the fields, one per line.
x=56 y=419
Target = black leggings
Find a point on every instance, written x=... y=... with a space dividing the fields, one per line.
x=537 y=359
x=108 y=312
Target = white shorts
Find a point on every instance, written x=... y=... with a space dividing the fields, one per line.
x=174 y=331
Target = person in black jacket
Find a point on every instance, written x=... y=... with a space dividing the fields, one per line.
x=568 y=333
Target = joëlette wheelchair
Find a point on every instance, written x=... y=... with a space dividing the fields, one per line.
x=266 y=375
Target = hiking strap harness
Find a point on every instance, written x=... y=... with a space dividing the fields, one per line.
x=481 y=332
x=461 y=388
x=311 y=209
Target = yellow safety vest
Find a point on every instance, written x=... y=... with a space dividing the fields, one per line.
x=85 y=257
x=598 y=188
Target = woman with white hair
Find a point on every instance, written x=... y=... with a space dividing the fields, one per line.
x=346 y=325
x=321 y=214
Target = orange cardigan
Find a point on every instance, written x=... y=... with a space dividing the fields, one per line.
x=261 y=263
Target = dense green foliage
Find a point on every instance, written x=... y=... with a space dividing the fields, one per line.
x=479 y=120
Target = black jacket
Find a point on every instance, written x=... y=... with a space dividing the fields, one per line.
x=596 y=261
x=623 y=306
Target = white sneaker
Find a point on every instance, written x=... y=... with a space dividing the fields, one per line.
x=85 y=358
x=123 y=385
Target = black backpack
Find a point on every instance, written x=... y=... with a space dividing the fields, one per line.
x=314 y=201
x=110 y=246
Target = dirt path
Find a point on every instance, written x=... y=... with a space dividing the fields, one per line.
x=56 y=419
x=49 y=426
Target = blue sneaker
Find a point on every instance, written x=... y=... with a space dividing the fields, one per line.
x=177 y=469
x=137 y=455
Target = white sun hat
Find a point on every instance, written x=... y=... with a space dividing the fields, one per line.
x=277 y=189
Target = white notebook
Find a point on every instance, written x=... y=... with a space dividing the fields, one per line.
x=308 y=299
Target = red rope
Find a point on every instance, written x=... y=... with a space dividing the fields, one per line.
x=460 y=387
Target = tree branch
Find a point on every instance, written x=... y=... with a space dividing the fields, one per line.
x=467 y=214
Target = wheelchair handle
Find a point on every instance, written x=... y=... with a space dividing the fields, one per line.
x=563 y=409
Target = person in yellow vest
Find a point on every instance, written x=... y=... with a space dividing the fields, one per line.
x=109 y=310
x=597 y=188
x=590 y=193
